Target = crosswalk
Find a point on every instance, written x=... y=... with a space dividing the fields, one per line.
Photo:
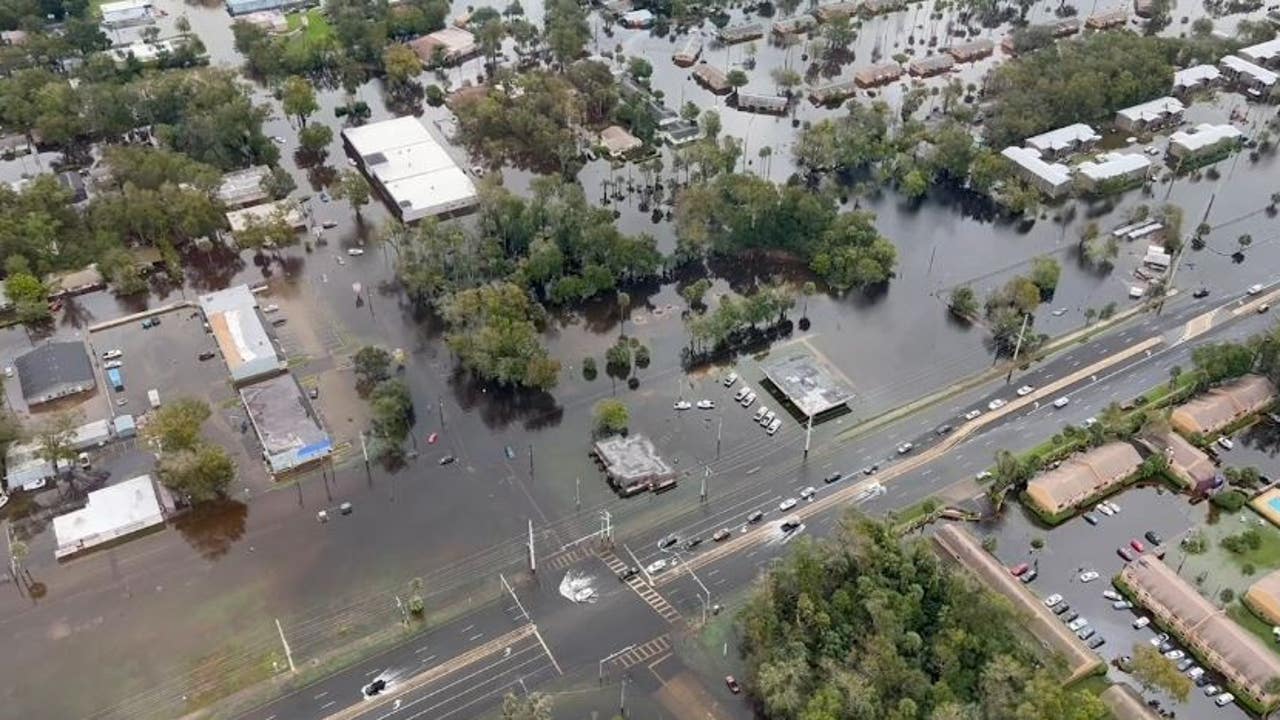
x=565 y=559
x=650 y=596
x=656 y=649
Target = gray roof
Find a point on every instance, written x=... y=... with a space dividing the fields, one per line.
x=808 y=382
x=233 y=318
x=632 y=459
x=54 y=370
x=287 y=426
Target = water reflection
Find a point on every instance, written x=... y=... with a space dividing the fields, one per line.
x=499 y=407
x=212 y=528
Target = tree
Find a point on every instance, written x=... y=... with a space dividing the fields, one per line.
x=55 y=438
x=1175 y=372
x=566 y=31
x=639 y=69
x=29 y=297
x=611 y=416
x=1156 y=672
x=354 y=188
x=694 y=292
x=314 y=141
x=372 y=365
x=298 y=98
x=493 y=330
x=402 y=67
x=851 y=253
x=1044 y=273
x=176 y=425
x=392 y=411
x=624 y=304
x=201 y=472
x=786 y=79
x=964 y=302
x=534 y=706
x=270 y=233
x=737 y=78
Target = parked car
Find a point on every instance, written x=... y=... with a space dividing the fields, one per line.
x=1018 y=569
x=1115 y=509
x=721 y=534
x=1111 y=595
x=628 y=572
x=1210 y=690
x=1226 y=442
x=1061 y=608
x=1025 y=390
x=355 y=251
x=768 y=418
x=1088 y=576
x=774 y=427
x=206 y=355
x=1122 y=605
x=1224 y=699
x=1124 y=553
x=1159 y=639
x=1085 y=632
x=112 y=354
x=1153 y=537
x=681 y=405
x=730 y=379
x=750 y=398
x=742 y=393
x=760 y=413
x=1185 y=664
x=271 y=308
x=1137 y=545
x=1141 y=622
x=983 y=476
x=1166 y=646
x=1175 y=654
x=1195 y=673
x=112 y=364
x=1104 y=509
x=1052 y=600
x=1070 y=616
x=1090 y=518
x=1076 y=624
x=706 y=404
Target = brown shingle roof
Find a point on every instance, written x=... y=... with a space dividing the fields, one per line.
x=1224 y=405
x=1083 y=476
x=1185 y=459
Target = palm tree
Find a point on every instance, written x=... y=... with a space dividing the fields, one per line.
x=1174 y=373
x=765 y=154
x=624 y=303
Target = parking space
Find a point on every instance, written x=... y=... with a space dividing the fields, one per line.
x=1077 y=547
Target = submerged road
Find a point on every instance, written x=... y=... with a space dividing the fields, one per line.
x=538 y=635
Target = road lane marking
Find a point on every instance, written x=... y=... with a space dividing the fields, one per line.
x=329 y=704
x=317 y=697
x=475 y=637
x=467 y=628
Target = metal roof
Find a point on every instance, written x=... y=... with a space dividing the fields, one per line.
x=246 y=347
x=54 y=370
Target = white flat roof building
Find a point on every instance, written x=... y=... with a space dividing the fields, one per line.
x=411 y=168
x=1155 y=112
x=1053 y=179
x=286 y=209
x=1113 y=166
x=111 y=513
x=1194 y=77
x=145 y=52
x=127 y=12
x=1253 y=74
x=1203 y=137
x=233 y=319
x=1262 y=53
x=244 y=187
x=1064 y=139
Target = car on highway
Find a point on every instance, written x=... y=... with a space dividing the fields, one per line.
x=984 y=475
x=668 y=541
x=692 y=543
x=995 y=404
x=1061 y=402
x=808 y=493
x=1025 y=390
x=1088 y=576
x=787 y=504
x=774 y=427
x=628 y=572
x=374 y=688
x=942 y=430
x=706 y=404
x=972 y=414
x=656 y=566
x=1153 y=537
x=1141 y=622
x=732 y=684
x=1202 y=292
x=871 y=469
x=1124 y=553
x=1254 y=289
x=681 y=405
x=833 y=478
x=1052 y=600
x=448 y=460
x=112 y=354
x=721 y=534
x=730 y=379
x=905 y=448
x=756 y=516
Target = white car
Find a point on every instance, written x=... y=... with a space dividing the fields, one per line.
x=1104 y=509
x=905 y=448
x=773 y=427
x=995 y=404
x=750 y=398
x=1089 y=576
x=787 y=504
x=1195 y=673
x=271 y=308
x=731 y=379
x=984 y=475
x=1115 y=509
x=1025 y=390
x=656 y=566
x=760 y=411
x=1111 y=595
x=1224 y=699
x=112 y=364
x=972 y=414
x=706 y=404
x=8 y=371
x=1254 y=289
x=1061 y=402
x=768 y=418
x=1226 y=442
x=1121 y=605
x=1052 y=600
x=1090 y=422
x=34 y=485
x=355 y=252
x=808 y=493
x=1175 y=655
x=112 y=354
x=1159 y=639
x=1076 y=624
x=1141 y=622
x=682 y=405
x=742 y=392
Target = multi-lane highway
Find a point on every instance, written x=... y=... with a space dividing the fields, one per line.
x=462 y=668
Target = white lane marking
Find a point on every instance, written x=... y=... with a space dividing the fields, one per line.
x=331 y=703
x=477 y=636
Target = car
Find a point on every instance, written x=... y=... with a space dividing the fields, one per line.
x=756 y=516
x=1159 y=639
x=1061 y=608
x=871 y=469
x=972 y=414
x=33 y=485
x=692 y=543
x=1018 y=569
x=1203 y=680
x=1254 y=289
x=706 y=404
x=1141 y=622
x=1226 y=442
x=329 y=224
x=656 y=566
x=1088 y=576
x=1175 y=654
x=374 y=688
x=279 y=321
x=1166 y=646
x=1076 y=624
x=995 y=404
x=1153 y=537
x=1195 y=673
x=1025 y=390
x=1111 y=595
x=742 y=393
x=1090 y=422
x=206 y=355
x=1224 y=699
x=760 y=413
x=1052 y=600
x=271 y=308
x=787 y=504
x=1137 y=545
x=774 y=427
x=730 y=379
x=983 y=476
x=1124 y=662
x=1210 y=690
x=1061 y=402
x=345 y=508
x=1122 y=605
x=112 y=364
x=732 y=684
x=280 y=141
x=1115 y=509
x=905 y=448
x=942 y=430
x=1031 y=575
x=1104 y=508
x=808 y=493
x=1201 y=292
x=682 y=405
x=628 y=572
x=1070 y=616
x=1264 y=307
x=112 y=354
x=750 y=398
x=668 y=541
x=313 y=393
x=448 y=460
x=721 y=535
x=355 y=252
x=1090 y=518
x=1185 y=664
x=790 y=523
x=1097 y=642
x=1124 y=553
x=1085 y=632
x=768 y=418
x=148 y=323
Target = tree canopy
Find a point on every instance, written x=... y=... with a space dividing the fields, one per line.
x=494 y=331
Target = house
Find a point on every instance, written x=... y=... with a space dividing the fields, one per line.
x=75 y=282
x=834 y=11
x=242 y=188
x=237 y=328
x=638 y=19
x=618 y=142
x=236 y=8
x=1252 y=79
x=1196 y=77
x=272 y=21
x=1107 y=20
x=1051 y=178
x=876 y=75
x=774 y=104
x=1113 y=168
x=1083 y=478
x=688 y=53
x=972 y=51
x=286 y=210
x=793 y=26
x=53 y=371
x=712 y=79
x=1203 y=140
x=126 y=13
x=1159 y=113
x=1266 y=54
x=1223 y=406
x=871 y=8
x=13 y=38
x=834 y=93
x=734 y=34
x=1064 y=141
x=931 y=65
x=449 y=46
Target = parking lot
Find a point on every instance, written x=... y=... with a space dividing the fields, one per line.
x=1075 y=547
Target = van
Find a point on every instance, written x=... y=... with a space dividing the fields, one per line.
x=153 y=396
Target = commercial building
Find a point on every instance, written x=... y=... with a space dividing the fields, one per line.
x=876 y=75
x=618 y=142
x=1196 y=77
x=1223 y=406
x=1252 y=79
x=242 y=188
x=834 y=93
x=972 y=51
x=53 y=371
x=632 y=461
x=741 y=33
x=285 y=210
x=287 y=426
x=1113 y=168
x=1051 y=178
x=410 y=168
x=931 y=65
x=773 y=104
x=1246 y=664
x=126 y=13
x=236 y=8
x=1263 y=598
x=1153 y=115
x=1064 y=141
x=712 y=78
x=1083 y=477
x=146 y=52
x=808 y=383
x=1266 y=54
x=112 y=513
x=1203 y=139
x=1190 y=465
x=688 y=53
x=237 y=327
x=835 y=11
x=1107 y=20
x=448 y=46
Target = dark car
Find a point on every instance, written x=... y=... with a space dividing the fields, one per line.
x=1125 y=553
x=628 y=573
x=1070 y=616
x=1061 y=608
x=756 y=516
x=692 y=543
x=1166 y=646
x=721 y=534
x=374 y=688
x=1096 y=642
x=871 y=469
x=448 y=460
x=668 y=541
x=943 y=429
x=1090 y=518
x=279 y=321
x=206 y=355
x=1200 y=293
x=833 y=477
x=1153 y=537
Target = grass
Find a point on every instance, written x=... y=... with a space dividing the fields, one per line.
x=318 y=27
x=1245 y=618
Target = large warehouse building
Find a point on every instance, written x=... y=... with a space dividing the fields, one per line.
x=410 y=168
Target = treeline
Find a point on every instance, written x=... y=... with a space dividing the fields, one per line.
x=1219 y=362
x=56 y=32
x=870 y=627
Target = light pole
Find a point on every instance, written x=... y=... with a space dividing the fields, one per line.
x=706 y=602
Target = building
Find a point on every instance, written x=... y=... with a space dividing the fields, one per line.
x=1143 y=8
x=13 y=38
x=285 y=210
x=773 y=104
x=287 y=426
x=53 y=371
x=1196 y=77
x=146 y=52
x=410 y=168
x=876 y=75
x=448 y=46
x=835 y=11
x=272 y=21
x=237 y=327
x=1221 y=644
x=811 y=385
x=237 y=8
x=1051 y=178
x=638 y=19
x=126 y=13
x=242 y=188
x=1084 y=477
x=688 y=53
x=1223 y=406
x=75 y=282
x=112 y=513
x=681 y=133
x=1107 y=20
x=1160 y=113
x=1203 y=140
x=734 y=34
x=1263 y=598
x=833 y=94
x=632 y=461
x=712 y=79
x=24 y=468
x=792 y=26
x=972 y=51
x=1188 y=463
x=931 y=65
x=871 y=8
x=1064 y=141
x=1113 y=168
x=1266 y=54
x=1252 y=79
x=619 y=142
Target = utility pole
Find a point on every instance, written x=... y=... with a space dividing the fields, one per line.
x=440 y=405
x=622 y=698
x=288 y=654
x=533 y=560
x=719 y=428
x=577 y=493
x=364 y=451
x=531 y=461
x=606 y=526
x=1017 y=348
x=648 y=578
x=702 y=494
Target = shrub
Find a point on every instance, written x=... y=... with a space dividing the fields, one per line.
x=589 y=368
x=1037 y=543
x=1230 y=500
x=1227 y=595
x=989 y=543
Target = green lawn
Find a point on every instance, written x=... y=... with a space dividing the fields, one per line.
x=318 y=27
x=1247 y=620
